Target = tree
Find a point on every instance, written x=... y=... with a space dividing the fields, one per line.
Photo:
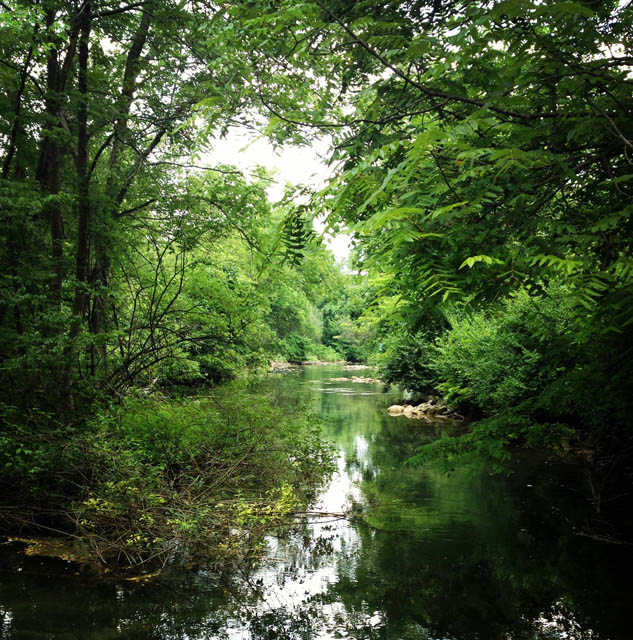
x=99 y=123
x=126 y=262
x=482 y=151
x=478 y=134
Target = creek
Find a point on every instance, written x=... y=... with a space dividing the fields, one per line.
x=435 y=557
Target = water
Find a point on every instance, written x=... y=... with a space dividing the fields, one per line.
x=455 y=557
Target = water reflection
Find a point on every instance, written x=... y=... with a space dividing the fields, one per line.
x=438 y=557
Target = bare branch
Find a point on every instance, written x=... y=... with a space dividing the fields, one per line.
x=137 y=208
x=194 y=166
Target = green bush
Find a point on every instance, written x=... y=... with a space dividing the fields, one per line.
x=537 y=372
x=322 y=352
x=200 y=478
x=294 y=347
x=407 y=359
x=297 y=348
x=155 y=479
x=505 y=358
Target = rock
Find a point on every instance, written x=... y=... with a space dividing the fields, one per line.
x=428 y=411
x=366 y=380
x=281 y=367
x=395 y=410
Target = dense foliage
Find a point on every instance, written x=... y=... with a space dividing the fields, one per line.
x=482 y=155
x=129 y=262
x=200 y=479
x=122 y=250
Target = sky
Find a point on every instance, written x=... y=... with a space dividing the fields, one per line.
x=292 y=164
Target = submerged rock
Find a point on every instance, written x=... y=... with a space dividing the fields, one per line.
x=61 y=548
x=358 y=379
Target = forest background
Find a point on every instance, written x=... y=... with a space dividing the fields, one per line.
x=481 y=158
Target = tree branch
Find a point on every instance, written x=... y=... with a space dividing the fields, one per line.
x=194 y=166
x=427 y=90
x=129 y=7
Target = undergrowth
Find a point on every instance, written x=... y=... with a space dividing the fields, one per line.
x=155 y=479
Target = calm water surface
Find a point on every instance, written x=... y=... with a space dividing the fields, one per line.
x=464 y=556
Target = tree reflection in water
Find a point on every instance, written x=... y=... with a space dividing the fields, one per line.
x=456 y=557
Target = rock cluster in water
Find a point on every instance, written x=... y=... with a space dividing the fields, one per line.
x=429 y=410
x=281 y=367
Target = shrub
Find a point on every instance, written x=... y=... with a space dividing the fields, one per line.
x=157 y=479
x=200 y=478
x=407 y=359
x=539 y=373
x=298 y=348
x=294 y=347
x=505 y=358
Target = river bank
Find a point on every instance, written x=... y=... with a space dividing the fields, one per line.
x=428 y=556
x=160 y=480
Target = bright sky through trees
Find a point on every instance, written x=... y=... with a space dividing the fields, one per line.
x=292 y=164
